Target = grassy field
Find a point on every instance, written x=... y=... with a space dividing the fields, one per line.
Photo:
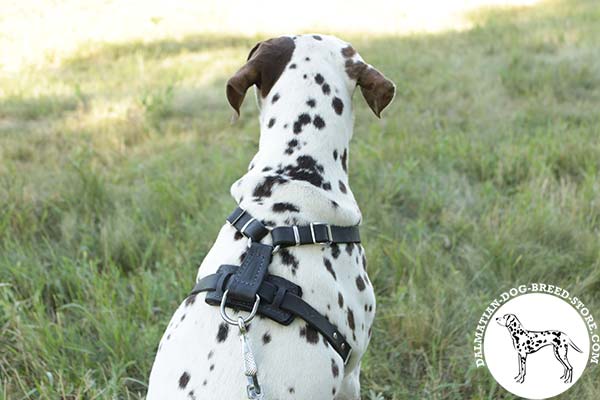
x=483 y=174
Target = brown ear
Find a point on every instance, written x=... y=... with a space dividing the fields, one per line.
x=266 y=62
x=377 y=90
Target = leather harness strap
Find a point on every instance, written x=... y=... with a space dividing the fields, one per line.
x=285 y=236
x=245 y=282
x=247 y=225
x=314 y=233
x=279 y=299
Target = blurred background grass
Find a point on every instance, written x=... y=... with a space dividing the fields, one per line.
x=115 y=170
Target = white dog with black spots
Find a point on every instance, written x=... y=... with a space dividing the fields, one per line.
x=299 y=175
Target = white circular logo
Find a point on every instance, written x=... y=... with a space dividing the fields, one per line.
x=536 y=345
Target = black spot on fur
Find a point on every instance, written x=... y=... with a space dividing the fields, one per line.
x=271 y=123
x=311 y=103
x=291 y=390
x=318 y=122
x=344 y=159
x=340 y=300
x=326 y=89
x=360 y=283
x=265 y=188
x=183 y=380
x=182 y=317
x=303 y=119
x=342 y=187
x=317 y=37
x=335 y=250
x=337 y=105
x=292 y=66
x=307 y=169
x=335 y=155
x=306 y=58
x=266 y=169
x=304 y=76
x=210 y=354
x=292 y=144
x=275 y=98
x=223 y=332
x=329 y=267
x=287 y=258
x=319 y=79
x=351 y=319
x=311 y=335
x=266 y=339
x=335 y=370
x=190 y=300
x=334 y=204
x=282 y=207
x=348 y=51
x=212 y=367
x=349 y=248
x=326 y=186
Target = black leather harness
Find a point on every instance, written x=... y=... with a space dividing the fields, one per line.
x=249 y=285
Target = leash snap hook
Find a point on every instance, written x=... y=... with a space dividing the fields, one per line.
x=253 y=389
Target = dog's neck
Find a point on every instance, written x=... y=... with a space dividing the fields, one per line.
x=303 y=152
x=512 y=329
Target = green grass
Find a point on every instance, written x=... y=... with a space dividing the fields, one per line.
x=115 y=169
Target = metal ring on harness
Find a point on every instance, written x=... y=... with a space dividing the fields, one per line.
x=231 y=321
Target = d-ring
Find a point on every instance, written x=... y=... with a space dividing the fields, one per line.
x=246 y=320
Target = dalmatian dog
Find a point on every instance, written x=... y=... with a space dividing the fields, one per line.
x=304 y=86
x=528 y=342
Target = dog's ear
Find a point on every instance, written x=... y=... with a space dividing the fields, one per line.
x=264 y=66
x=377 y=90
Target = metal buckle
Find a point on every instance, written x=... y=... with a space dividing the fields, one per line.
x=296 y=235
x=246 y=225
x=231 y=321
x=232 y=223
x=312 y=233
x=348 y=356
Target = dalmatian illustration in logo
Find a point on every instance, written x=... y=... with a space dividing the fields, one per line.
x=528 y=342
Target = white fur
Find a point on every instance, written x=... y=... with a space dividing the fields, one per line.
x=289 y=366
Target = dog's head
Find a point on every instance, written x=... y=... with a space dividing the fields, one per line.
x=309 y=59
x=508 y=320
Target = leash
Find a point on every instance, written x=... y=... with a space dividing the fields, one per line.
x=249 y=287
